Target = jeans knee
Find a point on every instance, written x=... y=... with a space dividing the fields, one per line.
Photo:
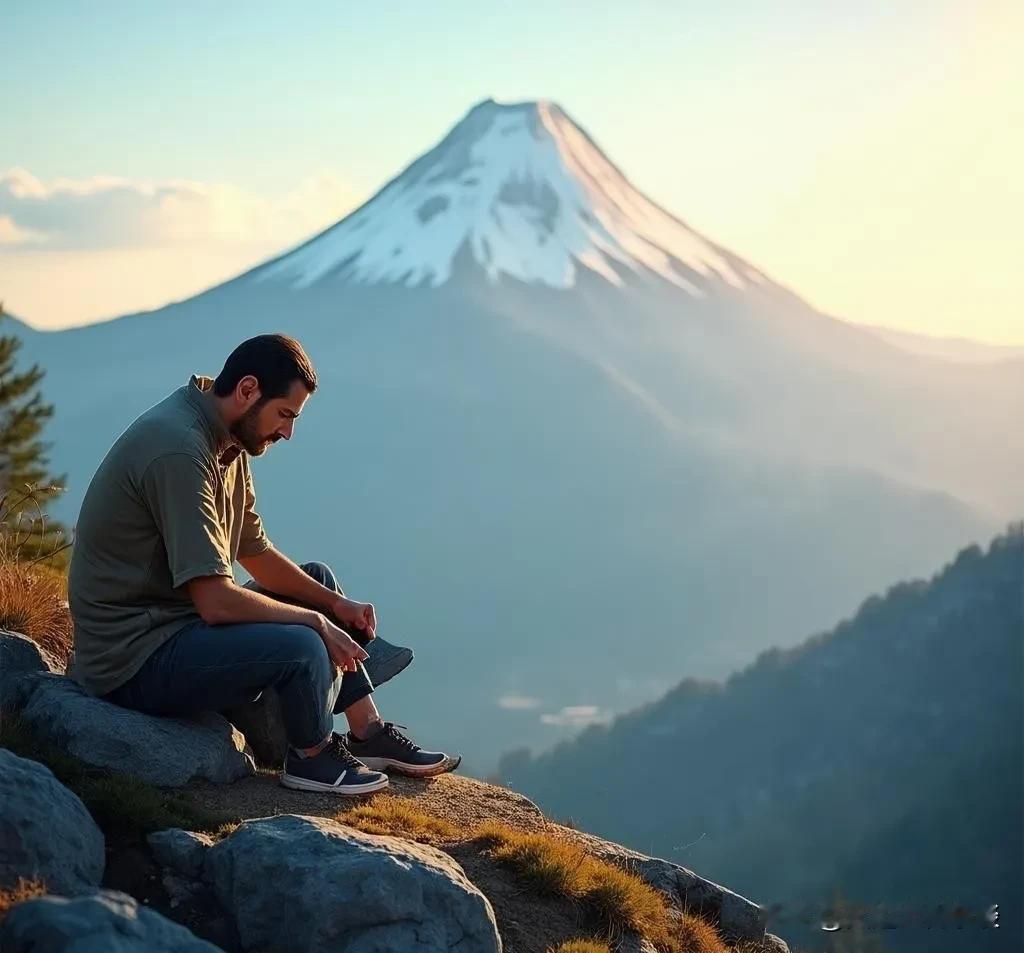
x=322 y=573
x=307 y=648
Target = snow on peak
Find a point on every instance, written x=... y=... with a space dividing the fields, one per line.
x=530 y=195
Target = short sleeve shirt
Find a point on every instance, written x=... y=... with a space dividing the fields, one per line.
x=172 y=499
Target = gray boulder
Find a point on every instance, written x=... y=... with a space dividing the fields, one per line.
x=184 y=852
x=295 y=883
x=263 y=726
x=19 y=656
x=45 y=830
x=106 y=922
x=168 y=752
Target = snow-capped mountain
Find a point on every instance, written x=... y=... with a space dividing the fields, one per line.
x=572 y=450
x=530 y=195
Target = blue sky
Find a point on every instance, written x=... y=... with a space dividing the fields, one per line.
x=817 y=139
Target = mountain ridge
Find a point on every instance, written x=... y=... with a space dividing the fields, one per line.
x=841 y=753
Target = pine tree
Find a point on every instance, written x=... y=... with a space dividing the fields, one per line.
x=26 y=532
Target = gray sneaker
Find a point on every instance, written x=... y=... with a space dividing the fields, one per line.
x=385 y=661
x=390 y=750
x=333 y=770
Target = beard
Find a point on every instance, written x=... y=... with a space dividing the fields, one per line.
x=245 y=431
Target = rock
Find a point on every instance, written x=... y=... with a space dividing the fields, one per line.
x=296 y=883
x=736 y=917
x=776 y=943
x=45 y=830
x=19 y=656
x=168 y=752
x=104 y=922
x=182 y=851
x=261 y=723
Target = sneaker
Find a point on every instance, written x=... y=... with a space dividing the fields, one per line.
x=389 y=750
x=334 y=770
x=385 y=660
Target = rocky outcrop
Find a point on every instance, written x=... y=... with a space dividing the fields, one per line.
x=184 y=852
x=297 y=883
x=287 y=882
x=737 y=917
x=104 y=922
x=45 y=830
x=19 y=656
x=168 y=752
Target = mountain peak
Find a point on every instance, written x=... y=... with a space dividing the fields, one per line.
x=530 y=195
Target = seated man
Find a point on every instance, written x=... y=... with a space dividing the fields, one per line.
x=159 y=623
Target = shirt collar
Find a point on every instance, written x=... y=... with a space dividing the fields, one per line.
x=200 y=392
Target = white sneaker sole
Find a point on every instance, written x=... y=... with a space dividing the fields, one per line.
x=304 y=784
x=412 y=770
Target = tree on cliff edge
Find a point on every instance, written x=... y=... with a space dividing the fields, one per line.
x=26 y=532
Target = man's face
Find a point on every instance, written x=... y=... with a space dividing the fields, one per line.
x=266 y=422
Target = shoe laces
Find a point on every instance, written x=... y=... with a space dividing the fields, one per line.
x=339 y=749
x=392 y=730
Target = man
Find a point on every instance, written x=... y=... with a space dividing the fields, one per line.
x=160 y=625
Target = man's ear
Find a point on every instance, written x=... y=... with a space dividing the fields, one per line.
x=249 y=389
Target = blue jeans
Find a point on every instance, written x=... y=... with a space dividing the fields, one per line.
x=206 y=667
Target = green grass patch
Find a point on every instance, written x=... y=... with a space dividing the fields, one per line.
x=121 y=805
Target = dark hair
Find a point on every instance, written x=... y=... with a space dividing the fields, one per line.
x=275 y=360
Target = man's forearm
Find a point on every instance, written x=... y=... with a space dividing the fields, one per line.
x=276 y=572
x=237 y=604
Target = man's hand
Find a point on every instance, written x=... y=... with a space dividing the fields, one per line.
x=343 y=650
x=357 y=615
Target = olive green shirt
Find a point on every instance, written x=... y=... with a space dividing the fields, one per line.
x=172 y=500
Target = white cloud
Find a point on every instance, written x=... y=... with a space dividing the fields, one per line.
x=104 y=212
x=11 y=234
x=576 y=716
x=518 y=702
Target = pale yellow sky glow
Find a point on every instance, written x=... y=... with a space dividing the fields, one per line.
x=909 y=217
x=914 y=220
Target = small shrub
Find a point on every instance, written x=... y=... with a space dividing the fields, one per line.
x=23 y=890
x=33 y=601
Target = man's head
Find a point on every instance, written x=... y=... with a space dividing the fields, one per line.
x=262 y=389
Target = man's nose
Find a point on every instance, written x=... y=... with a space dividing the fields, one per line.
x=286 y=430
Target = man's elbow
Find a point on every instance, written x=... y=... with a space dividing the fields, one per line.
x=210 y=596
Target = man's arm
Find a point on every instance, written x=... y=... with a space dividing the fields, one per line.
x=276 y=572
x=220 y=601
x=180 y=491
x=273 y=570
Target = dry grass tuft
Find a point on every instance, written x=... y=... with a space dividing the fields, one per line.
x=386 y=814
x=699 y=935
x=33 y=601
x=581 y=946
x=33 y=588
x=23 y=890
x=224 y=830
x=621 y=899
